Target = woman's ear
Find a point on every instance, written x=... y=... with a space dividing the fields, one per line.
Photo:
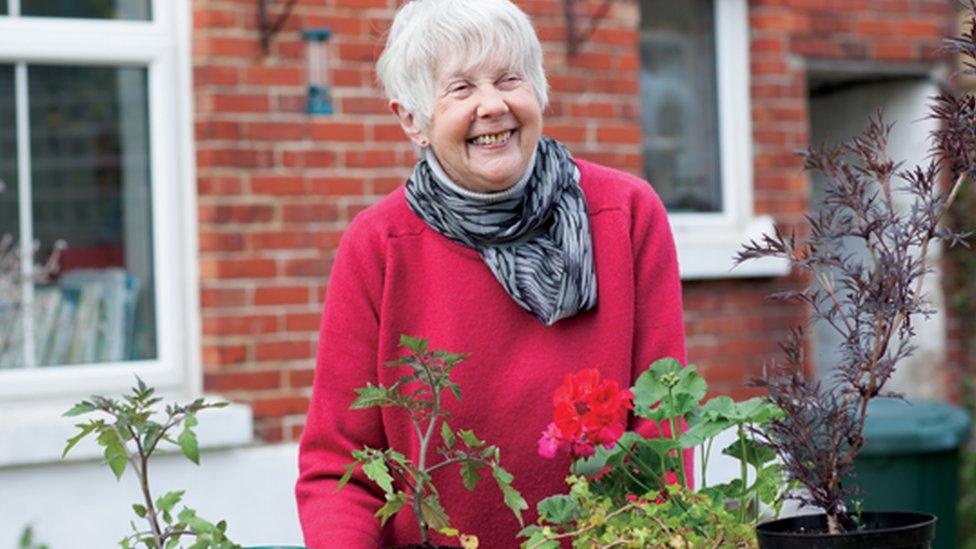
x=409 y=124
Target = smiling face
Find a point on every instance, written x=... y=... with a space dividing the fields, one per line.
x=485 y=125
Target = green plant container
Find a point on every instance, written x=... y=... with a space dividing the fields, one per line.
x=911 y=461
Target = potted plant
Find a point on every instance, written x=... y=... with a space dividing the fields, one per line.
x=630 y=491
x=130 y=438
x=870 y=304
x=421 y=392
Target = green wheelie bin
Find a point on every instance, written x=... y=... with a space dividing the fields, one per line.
x=910 y=461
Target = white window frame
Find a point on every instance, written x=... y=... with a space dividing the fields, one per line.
x=162 y=46
x=708 y=242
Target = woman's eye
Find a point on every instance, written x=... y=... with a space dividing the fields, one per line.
x=458 y=88
x=511 y=80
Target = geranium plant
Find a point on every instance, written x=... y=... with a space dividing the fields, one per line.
x=630 y=491
x=406 y=480
x=870 y=300
x=130 y=437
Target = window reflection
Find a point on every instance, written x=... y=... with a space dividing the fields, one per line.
x=137 y=10
x=90 y=187
x=680 y=103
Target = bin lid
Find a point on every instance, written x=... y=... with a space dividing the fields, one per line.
x=896 y=426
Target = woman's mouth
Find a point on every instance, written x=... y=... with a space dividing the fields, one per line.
x=492 y=138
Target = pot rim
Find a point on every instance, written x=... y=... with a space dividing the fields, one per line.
x=923 y=519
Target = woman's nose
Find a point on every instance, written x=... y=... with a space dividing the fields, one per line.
x=491 y=103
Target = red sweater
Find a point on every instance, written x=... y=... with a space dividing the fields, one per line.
x=395 y=275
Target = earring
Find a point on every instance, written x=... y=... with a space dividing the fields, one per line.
x=423 y=143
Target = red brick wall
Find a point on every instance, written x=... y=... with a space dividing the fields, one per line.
x=276 y=187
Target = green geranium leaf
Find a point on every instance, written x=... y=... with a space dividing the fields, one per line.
x=602 y=456
x=648 y=389
x=720 y=407
x=559 y=509
x=755 y=453
x=702 y=430
x=769 y=483
x=377 y=471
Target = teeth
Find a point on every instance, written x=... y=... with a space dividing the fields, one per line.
x=492 y=138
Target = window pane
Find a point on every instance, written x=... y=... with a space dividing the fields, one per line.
x=138 y=10
x=10 y=287
x=680 y=103
x=91 y=188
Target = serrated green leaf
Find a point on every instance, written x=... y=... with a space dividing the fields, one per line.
x=167 y=501
x=559 y=509
x=188 y=442
x=116 y=455
x=394 y=502
x=377 y=471
x=350 y=469
x=414 y=344
x=174 y=541
x=455 y=389
x=447 y=435
x=470 y=440
x=370 y=396
x=140 y=510
x=433 y=513
x=86 y=429
x=81 y=408
x=513 y=498
x=469 y=474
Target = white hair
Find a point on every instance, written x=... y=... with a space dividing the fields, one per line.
x=429 y=33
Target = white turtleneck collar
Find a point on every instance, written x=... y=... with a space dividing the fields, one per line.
x=441 y=177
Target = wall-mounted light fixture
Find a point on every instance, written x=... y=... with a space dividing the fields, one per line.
x=319 y=84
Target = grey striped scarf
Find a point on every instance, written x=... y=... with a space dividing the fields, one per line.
x=535 y=240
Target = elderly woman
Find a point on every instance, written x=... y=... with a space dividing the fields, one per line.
x=500 y=245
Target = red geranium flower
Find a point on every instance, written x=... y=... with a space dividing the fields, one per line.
x=586 y=412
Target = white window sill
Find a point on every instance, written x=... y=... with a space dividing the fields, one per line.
x=34 y=435
x=708 y=252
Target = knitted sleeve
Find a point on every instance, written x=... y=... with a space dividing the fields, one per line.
x=659 y=322
x=346 y=360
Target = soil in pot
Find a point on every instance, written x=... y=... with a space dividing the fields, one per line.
x=887 y=529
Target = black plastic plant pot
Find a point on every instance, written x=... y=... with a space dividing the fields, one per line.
x=888 y=529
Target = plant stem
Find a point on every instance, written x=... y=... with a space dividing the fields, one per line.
x=674 y=436
x=743 y=472
x=435 y=412
x=143 y=472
